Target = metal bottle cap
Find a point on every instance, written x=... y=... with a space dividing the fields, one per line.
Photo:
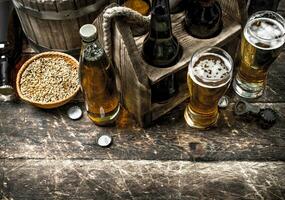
x=104 y=140
x=74 y=112
x=6 y=90
x=88 y=32
x=223 y=102
x=268 y=118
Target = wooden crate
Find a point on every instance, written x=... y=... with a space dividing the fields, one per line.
x=137 y=76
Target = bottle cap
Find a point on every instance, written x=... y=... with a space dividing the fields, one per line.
x=268 y=118
x=74 y=112
x=223 y=102
x=6 y=90
x=88 y=32
x=104 y=140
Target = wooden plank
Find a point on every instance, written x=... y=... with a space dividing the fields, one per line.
x=2 y=183
x=34 y=24
x=50 y=134
x=41 y=25
x=69 y=27
x=231 y=30
x=140 y=180
x=26 y=24
x=85 y=19
x=55 y=27
x=46 y=27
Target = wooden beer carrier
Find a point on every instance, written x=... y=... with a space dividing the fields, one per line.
x=137 y=76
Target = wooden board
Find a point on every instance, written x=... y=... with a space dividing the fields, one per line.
x=51 y=135
x=67 y=179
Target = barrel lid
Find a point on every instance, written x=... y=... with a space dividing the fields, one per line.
x=88 y=32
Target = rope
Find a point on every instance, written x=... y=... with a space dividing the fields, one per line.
x=130 y=17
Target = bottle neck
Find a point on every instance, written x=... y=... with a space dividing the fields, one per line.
x=206 y=3
x=160 y=24
x=92 y=51
x=85 y=43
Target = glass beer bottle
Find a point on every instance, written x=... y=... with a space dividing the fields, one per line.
x=141 y=6
x=161 y=49
x=97 y=79
x=203 y=18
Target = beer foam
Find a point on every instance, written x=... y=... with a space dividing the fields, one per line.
x=211 y=70
x=265 y=33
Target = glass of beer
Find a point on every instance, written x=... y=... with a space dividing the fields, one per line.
x=209 y=76
x=262 y=41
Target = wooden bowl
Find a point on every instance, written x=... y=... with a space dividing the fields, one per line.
x=69 y=59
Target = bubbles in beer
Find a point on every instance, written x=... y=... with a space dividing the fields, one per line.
x=265 y=33
x=211 y=69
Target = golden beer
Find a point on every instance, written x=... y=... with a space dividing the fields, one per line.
x=209 y=76
x=262 y=42
x=97 y=79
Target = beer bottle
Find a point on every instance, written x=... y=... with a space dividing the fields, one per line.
x=203 y=18
x=97 y=79
x=161 y=49
x=141 y=6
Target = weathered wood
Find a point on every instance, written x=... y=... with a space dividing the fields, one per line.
x=141 y=180
x=56 y=28
x=50 y=134
x=34 y=25
x=69 y=27
x=57 y=34
x=2 y=162
x=43 y=25
x=26 y=23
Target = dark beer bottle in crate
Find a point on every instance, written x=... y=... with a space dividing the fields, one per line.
x=203 y=18
x=161 y=49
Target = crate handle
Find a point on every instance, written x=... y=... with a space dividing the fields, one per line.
x=129 y=16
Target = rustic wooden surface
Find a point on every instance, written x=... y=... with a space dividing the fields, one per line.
x=45 y=155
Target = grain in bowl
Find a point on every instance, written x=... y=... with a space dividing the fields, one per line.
x=48 y=80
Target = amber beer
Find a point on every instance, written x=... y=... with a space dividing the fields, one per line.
x=209 y=76
x=97 y=79
x=262 y=42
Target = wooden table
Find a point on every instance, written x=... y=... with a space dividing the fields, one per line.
x=45 y=155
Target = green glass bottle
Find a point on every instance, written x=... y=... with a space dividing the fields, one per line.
x=161 y=49
x=203 y=18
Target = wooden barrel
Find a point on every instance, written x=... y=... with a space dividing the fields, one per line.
x=54 y=24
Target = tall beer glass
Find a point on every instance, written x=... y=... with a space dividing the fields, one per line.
x=209 y=76
x=262 y=41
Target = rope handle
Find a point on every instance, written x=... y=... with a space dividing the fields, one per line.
x=130 y=17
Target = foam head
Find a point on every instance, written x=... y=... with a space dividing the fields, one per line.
x=265 y=33
x=211 y=70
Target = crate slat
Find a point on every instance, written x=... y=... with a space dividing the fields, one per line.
x=190 y=45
